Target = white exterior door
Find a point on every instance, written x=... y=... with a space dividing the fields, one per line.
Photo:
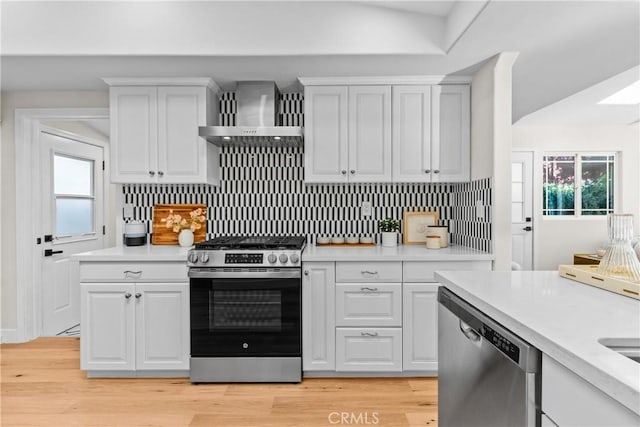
x=522 y=210
x=72 y=219
x=370 y=134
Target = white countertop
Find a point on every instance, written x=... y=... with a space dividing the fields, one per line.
x=398 y=253
x=564 y=319
x=136 y=253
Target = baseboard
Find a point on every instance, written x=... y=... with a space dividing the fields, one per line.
x=9 y=336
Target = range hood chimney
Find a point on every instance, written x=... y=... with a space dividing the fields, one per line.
x=257 y=120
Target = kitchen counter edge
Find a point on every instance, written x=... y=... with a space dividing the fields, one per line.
x=396 y=253
x=145 y=253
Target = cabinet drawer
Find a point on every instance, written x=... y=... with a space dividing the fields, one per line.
x=423 y=271
x=369 y=349
x=369 y=271
x=369 y=304
x=133 y=272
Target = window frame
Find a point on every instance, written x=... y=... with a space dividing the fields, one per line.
x=577 y=173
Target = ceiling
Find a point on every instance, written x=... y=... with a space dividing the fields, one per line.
x=565 y=47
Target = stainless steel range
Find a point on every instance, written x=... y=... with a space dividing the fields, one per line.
x=246 y=309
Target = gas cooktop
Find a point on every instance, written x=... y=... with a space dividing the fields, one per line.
x=254 y=242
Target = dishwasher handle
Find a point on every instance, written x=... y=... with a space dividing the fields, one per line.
x=468 y=332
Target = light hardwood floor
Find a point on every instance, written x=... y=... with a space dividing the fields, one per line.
x=42 y=385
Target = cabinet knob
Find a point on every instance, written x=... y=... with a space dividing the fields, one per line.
x=151 y=173
x=436 y=171
x=427 y=171
x=138 y=295
x=160 y=173
x=353 y=172
x=127 y=295
x=306 y=272
x=344 y=172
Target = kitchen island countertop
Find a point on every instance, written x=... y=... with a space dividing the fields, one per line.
x=562 y=318
x=136 y=254
x=396 y=253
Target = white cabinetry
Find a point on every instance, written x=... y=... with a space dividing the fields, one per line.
x=420 y=327
x=132 y=321
x=347 y=133
x=318 y=316
x=154 y=131
x=387 y=133
x=568 y=400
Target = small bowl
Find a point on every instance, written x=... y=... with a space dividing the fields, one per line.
x=601 y=252
x=337 y=240
x=323 y=241
x=366 y=240
x=352 y=240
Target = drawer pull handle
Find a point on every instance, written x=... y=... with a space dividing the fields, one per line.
x=369 y=272
x=365 y=288
x=132 y=274
x=369 y=334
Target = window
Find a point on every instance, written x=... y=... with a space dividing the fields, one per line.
x=74 y=196
x=578 y=184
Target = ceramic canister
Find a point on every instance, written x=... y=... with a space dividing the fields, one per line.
x=442 y=231
x=433 y=242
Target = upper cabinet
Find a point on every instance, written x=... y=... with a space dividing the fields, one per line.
x=387 y=133
x=154 y=131
x=347 y=133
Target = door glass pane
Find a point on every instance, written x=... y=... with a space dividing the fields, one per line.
x=516 y=212
x=516 y=192
x=74 y=216
x=516 y=172
x=72 y=176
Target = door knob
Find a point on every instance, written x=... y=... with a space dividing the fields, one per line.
x=527 y=228
x=51 y=252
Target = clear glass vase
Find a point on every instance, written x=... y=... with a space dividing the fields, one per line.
x=620 y=259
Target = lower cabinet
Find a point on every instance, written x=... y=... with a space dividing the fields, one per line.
x=373 y=316
x=569 y=400
x=134 y=326
x=420 y=327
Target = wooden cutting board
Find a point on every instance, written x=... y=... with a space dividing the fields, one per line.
x=166 y=236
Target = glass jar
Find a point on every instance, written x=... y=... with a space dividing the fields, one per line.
x=620 y=259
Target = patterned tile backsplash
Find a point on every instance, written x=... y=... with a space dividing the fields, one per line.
x=262 y=191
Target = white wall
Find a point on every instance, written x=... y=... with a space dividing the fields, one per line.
x=11 y=101
x=557 y=239
x=491 y=105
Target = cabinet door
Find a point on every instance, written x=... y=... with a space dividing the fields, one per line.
x=369 y=134
x=451 y=147
x=162 y=326
x=325 y=134
x=420 y=327
x=318 y=317
x=107 y=332
x=181 y=151
x=134 y=140
x=411 y=133
x=369 y=349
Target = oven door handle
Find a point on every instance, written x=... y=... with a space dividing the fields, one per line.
x=205 y=273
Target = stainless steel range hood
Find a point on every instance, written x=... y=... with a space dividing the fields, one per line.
x=257 y=120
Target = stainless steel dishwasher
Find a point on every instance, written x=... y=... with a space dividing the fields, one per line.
x=487 y=376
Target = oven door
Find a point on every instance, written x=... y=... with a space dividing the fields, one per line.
x=245 y=312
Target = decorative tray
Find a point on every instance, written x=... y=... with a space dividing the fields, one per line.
x=588 y=274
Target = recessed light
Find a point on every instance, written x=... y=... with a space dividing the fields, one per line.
x=630 y=95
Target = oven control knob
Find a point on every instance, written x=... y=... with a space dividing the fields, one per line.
x=193 y=257
x=284 y=258
x=204 y=257
x=272 y=258
x=294 y=258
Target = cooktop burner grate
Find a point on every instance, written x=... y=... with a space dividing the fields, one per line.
x=253 y=242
